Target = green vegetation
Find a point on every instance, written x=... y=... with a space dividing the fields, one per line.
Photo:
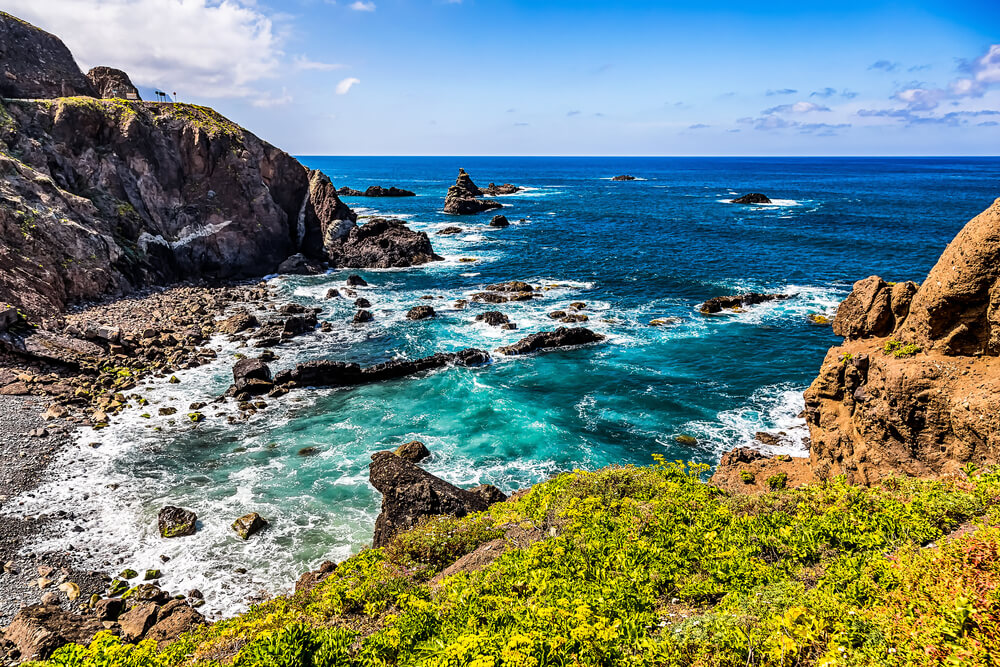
x=644 y=567
x=777 y=482
x=748 y=477
x=899 y=349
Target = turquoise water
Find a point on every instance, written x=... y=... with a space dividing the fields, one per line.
x=633 y=251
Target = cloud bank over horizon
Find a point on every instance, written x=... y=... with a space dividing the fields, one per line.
x=436 y=84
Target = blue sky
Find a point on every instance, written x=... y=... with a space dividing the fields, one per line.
x=433 y=77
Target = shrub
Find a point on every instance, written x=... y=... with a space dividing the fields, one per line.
x=778 y=481
x=899 y=349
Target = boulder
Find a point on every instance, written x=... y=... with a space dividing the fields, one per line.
x=561 y=337
x=356 y=281
x=420 y=313
x=752 y=198
x=112 y=83
x=499 y=221
x=449 y=231
x=333 y=293
x=249 y=524
x=382 y=243
x=300 y=265
x=135 y=622
x=174 y=619
x=362 y=302
x=413 y=451
x=176 y=522
x=737 y=302
x=8 y=317
x=489 y=493
x=867 y=310
x=494 y=318
x=309 y=580
x=252 y=376
x=624 y=177
x=363 y=316
x=38 y=630
x=236 y=323
x=510 y=286
x=410 y=493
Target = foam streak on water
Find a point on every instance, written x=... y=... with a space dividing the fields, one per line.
x=633 y=252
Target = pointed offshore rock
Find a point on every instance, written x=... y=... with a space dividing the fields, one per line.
x=462 y=197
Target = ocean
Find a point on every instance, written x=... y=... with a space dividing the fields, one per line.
x=632 y=251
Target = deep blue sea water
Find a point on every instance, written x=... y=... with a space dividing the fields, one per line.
x=633 y=251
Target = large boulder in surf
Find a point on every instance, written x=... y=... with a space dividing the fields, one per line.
x=410 y=493
x=561 y=337
x=176 y=522
x=36 y=64
x=252 y=376
x=112 y=83
x=462 y=197
x=736 y=302
x=382 y=243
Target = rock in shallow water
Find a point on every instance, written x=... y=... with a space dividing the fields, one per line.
x=176 y=522
x=752 y=198
x=736 y=301
x=561 y=337
x=248 y=524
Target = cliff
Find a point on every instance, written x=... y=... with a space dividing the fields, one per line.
x=102 y=196
x=36 y=64
x=915 y=387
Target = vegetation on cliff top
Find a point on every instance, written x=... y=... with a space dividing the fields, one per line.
x=646 y=566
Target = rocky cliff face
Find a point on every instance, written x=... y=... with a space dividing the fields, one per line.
x=35 y=64
x=102 y=196
x=915 y=387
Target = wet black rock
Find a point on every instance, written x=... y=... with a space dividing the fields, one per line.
x=561 y=337
x=752 y=198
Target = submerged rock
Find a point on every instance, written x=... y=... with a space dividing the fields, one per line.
x=447 y=231
x=752 y=198
x=176 y=522
x=410 y=493
x=737 y=301
x=561 y=337
x=499 y=221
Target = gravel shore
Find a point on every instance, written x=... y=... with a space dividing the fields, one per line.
x=27 y=446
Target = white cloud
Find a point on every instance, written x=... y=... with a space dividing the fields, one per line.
x=206 y=48
x=268 y=101
x=346 y=85
x=798 y=107
x=984 y=73
x=304 y=63
x=363 y=6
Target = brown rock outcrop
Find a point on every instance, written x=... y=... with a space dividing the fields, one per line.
x=381 y=243
x=112 y=83
x=915 y=387
x=39 y=630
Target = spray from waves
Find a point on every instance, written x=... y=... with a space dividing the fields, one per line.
x=773 y=409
